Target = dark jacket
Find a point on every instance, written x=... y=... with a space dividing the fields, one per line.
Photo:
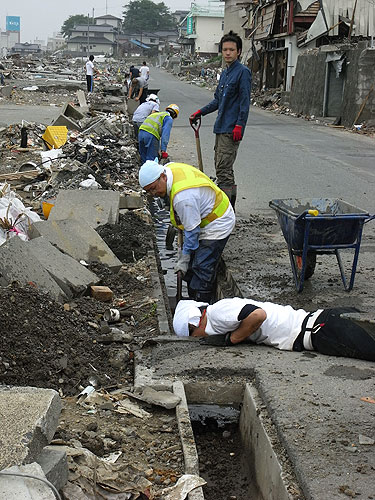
x=231 y=99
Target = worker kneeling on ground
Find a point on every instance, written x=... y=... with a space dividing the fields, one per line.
x=231 y=321
x=154 y=133
x=202 y=211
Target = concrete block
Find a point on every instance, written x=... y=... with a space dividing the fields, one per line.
x=71 y=112
x=31 y=416
x=83 y=107
x=77 y=239
x=54 y=463
x=131 y=202
x=17 y=488
x=71 y=276
x=17 y=263
x=97 y=207
x=62 y=120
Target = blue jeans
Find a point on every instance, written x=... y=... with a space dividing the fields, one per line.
x=148 y=146
x=201 y=275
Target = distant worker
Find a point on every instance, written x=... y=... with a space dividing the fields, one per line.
x=202 y=211
x=144 y=110
x=229 y=322
x=134 y=72
x=153 y=136
x=144 y=71
x=232 y=100
x=90 y=70
x=138 y=89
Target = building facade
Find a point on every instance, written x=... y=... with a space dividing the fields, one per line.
x=204 y=27
x=92 y=39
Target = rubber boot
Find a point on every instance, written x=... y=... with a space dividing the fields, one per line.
x=227 y=190
x=233 y=197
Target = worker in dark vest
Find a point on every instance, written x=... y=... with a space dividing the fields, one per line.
x=202 y=211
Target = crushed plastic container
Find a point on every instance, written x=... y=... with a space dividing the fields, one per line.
x=55 y=136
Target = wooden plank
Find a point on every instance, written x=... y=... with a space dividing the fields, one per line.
x=15 y=176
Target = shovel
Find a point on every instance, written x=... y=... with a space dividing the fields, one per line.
x=173 y=301
x=196 y=125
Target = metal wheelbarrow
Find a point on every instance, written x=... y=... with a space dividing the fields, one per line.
x=319 y=226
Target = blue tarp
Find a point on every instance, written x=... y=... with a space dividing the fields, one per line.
x=139 y=44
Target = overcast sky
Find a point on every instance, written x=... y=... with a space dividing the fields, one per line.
x=41 y=18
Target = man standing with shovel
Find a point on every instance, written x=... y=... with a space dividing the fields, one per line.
x=202 y=211
x=232 y=102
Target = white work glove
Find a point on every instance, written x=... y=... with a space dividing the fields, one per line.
x=182 y=263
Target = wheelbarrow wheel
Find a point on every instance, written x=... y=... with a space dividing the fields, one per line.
x=310 y=264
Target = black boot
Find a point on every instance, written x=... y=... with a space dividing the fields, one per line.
x=227 y=190
x=233 y=196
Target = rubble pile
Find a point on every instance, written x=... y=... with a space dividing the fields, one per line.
x=115 y=443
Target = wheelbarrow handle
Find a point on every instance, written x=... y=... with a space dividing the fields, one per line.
x=314 y=213
x=371 y=217
x=196 y=125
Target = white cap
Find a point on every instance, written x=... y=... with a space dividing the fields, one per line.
x=153 y=97
x=187 y=311
x=149 y=172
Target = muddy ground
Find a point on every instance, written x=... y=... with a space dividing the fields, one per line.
x=257 y=257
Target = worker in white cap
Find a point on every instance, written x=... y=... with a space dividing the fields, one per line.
x=144 y=110
x=335 y=332
x=153 y=136
x=202 y=211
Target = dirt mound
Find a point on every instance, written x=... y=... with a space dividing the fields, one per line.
x=130 y=239
x=43 y=345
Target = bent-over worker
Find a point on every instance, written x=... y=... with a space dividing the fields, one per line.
x=231 y=321
x=202 y=211
x=144 y=110
x=154 y=133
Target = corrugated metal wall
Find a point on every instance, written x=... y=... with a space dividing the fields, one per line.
x=364 y=19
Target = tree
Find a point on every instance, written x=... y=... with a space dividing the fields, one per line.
x=145 y=15
x=72 y=21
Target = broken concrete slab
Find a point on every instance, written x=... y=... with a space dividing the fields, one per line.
x=83 y=107
x=166 y=399
x=131 y=202
x=97 y=207
x=71 y=112
x=77 y=239
x=17 y=263
x=31 y=417
x=54 y=463
x=63 y=120
x=16 y=488
x=71 y=276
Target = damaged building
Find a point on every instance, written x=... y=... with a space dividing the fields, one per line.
x=322 y=52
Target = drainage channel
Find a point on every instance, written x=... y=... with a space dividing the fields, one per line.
x=167 y=257
x=223 y=459
x=235 y=443
x=227 y=436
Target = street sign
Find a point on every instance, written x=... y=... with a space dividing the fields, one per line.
x=13 y=23
x=189 y=25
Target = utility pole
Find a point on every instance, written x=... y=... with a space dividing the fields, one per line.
x=106 y=7
x=88 y=35
x=352 y=20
